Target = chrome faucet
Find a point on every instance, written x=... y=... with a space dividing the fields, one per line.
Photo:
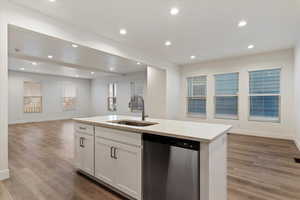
x=136 y=99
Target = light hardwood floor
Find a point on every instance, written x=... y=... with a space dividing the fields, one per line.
x=41 y=157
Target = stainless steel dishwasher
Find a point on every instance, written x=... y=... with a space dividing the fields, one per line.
x=170 y=168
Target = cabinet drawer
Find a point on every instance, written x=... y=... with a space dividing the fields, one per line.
x=84 y=128
x=119 y=136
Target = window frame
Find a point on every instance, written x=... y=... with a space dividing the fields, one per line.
x=135 y=109
x=113 y=98
x=73 y=99
x=237 y=95
x=264 y=119
x=33 y=97
x=191 y=114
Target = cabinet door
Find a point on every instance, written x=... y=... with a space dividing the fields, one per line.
x=104 y=162
x=128 y=169
x=85 y=152
x=78 y=152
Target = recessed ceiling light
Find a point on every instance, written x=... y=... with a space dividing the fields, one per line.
x=251 y=46
x=74 y=45
x=242 y=23
x=50 y=56
x=174 y=11
x=168 y=43
x=92 y=73
x=34 y=63
x=123 y=31
x=22 y=68
x=193 y=57
x=138 y=63
x=52 y=0
x=111 y=69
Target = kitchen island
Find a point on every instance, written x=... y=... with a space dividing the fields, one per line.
x=110 y=150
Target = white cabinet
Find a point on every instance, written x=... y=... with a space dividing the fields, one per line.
x=104 y=161
x=119 y=163
x=128 y=169
x=114 y=157
x=84 y=152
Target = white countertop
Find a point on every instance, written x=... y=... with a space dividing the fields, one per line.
x=197 y=131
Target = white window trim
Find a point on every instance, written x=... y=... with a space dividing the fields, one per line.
x=265 y=119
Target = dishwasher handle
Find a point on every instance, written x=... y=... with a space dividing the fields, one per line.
x=182 y=143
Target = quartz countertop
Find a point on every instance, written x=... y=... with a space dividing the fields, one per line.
x=197 y=131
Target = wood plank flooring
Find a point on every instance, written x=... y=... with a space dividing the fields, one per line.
x=41 y=157
x=4 y=195
x=262 y=169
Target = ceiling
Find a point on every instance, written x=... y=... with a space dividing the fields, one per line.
x=49 y=69
x=207 y=28
x=27 y=48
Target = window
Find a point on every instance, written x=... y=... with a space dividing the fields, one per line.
x=264 y=95
x=137 y=89
x=112 y=97
x=226 y=99
x=69 y=96
x=32 y=97
x=196 y=100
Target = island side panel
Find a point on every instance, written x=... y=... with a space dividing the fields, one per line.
x=213 y=169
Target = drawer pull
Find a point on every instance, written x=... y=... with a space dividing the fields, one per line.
x=81 y=142
x=115 y=153
x=82 y=128
x=111 y=152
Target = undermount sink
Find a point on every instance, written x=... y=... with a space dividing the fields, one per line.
x=133 y=123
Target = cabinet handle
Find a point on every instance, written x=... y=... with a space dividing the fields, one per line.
x=82 y=128
x=115 y=153
x=111 y=152
x=81 y=142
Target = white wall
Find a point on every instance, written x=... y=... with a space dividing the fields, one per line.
x=4 y=171
x=52 y=87
x=35 y=21
x=297 y=94
x=99 y=93
x=156 y=93
x=173 y=92
x=284 y=59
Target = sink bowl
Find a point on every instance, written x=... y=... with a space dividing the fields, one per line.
x=133 y=123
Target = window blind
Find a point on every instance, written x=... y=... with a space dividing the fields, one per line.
x=265 y=82
x=112 y=97
x=196 y=100
x=226 y=99
x=197 y=86
x=227 y=84
x=137 y=89
x=264 y=95
x=69 y=96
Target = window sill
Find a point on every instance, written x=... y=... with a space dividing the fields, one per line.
x=227 y=117
x=195 y=115
x=264 y=119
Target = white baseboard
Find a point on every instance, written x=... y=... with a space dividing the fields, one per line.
x=45 y=119
x=288 y=136
x=4 y=174
x=297 y=142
